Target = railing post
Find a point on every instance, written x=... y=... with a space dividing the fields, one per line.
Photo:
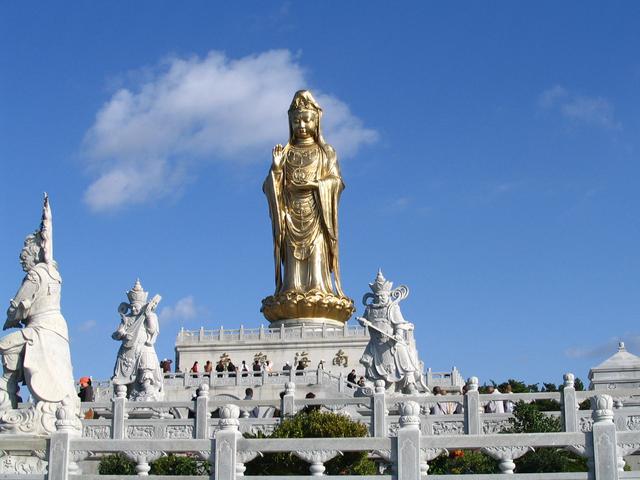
x=472 y=408
x=379 y=410
x=605 y=459
x=288 y=401
x=221 y=333
x=282 y=331
x=408 y=442
x=261 y=333
x=202 y=412
x=118 y=415
x=241 y=333
x=341 y=382
x=226 y=440
x=569 y=404
x=61 y=461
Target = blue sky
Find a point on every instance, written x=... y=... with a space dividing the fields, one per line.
x=490 y=153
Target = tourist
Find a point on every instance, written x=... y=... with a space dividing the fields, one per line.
x=268 y=367
x=508 y=404
x=300 y=367
x=208 y=367
x=277 y=413
x=244 y=369
x=287 y=367
x=310 y=408
x=257 y=368
x=351 y=378
x=194 y=368
x=361 y=382
x=166 y=365
x=86 y=390
x=248 y=394
x=231 y=368
x=435 y=408
x=220 y=368
x=494 y=406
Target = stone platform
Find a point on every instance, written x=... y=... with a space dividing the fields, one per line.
x=339 y=348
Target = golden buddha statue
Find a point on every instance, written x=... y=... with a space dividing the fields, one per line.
x=303 y=190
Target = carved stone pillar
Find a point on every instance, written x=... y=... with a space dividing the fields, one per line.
x=605 y=457
x=317 y=459
x=472 y=408
x=569 y=404
x=118 y=405
x=202 y=412
x=288 y=401
x=226 y=440
x=408 y=442
x=379 y=409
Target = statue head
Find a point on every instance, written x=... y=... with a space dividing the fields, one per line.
x=304 y=117
x=381 y=289
x=32 y=252
x=137 y=297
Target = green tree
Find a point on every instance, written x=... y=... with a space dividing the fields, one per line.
x=180 y=465
x=314 y=424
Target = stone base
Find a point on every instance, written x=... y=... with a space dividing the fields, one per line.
x=306 y=308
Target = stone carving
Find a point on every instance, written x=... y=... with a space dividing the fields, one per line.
x=341 y=359
x=495 y=426
x=97 y=432
x=142 y=459
x=506 y=456
x=141 y=432
x=38 y=354
x=179 y=431
x=243 y=457
x=585 y=424
x=137 y=364
x=602 y=406
x=393 y=428
x=391 y=354
x=21 y=464
x=316 y=458
x=303 y=191
x=448 y=428
x=581 y=450
x=633 y=422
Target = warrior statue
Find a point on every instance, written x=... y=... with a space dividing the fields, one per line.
x=303 y=190
x=137 y=364
x=38 y=354
x=391 y=354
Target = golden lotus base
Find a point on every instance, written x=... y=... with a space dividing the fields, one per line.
x=293 y=308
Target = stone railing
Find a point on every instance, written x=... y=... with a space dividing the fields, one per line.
x=221 y=335
x=104 y=389
x=404 y=456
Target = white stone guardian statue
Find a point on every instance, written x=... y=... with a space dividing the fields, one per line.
x=391 y=354
x=37 y=354
x=137 y=364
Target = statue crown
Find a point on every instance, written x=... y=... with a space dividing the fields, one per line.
x=380 y=284
x=303 y=100
x=137 y=293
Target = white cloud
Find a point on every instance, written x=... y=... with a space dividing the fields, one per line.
x=88 y=325
x=147 y=139
x=596 y=111
x=605 y=349
x=184 y=309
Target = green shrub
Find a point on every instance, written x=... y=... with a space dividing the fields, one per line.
x=180 y=465
x=314 y=424
x=116 y=464
x=461 y=462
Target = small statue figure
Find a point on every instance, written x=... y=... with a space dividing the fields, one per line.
x=391 y=354
x=38 y=354
x=303 y=190
x=137 y=364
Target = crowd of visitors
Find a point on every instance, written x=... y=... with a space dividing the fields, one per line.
x=226 y=366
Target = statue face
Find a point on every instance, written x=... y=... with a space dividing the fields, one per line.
x=304 y=124
x=382 y=298
x=135 y=308
x=27 y=259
